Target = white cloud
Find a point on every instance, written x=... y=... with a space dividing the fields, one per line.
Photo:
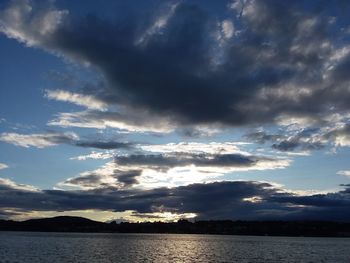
x=189 y=174
x=8 y=183
x=130 y=122
x=194 y=147
x=87 y=101
x=237 y=5
x=227 y=29
x=344 y=173
x=342 y=140
x=94 y=155
x=18 y=22
x=159 y=23
x=3 y=166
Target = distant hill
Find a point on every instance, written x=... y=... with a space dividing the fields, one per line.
x=55 y=224
x=223 y=227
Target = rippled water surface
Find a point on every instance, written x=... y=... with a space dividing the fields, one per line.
x=73 y=247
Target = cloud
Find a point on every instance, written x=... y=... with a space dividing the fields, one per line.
x=38 y=140
x=42 y=140
x=3 y=166
x=107 y=145
x=94 y=155
x=132 y=121
x=333 y=132
x=185 y=168
x=195 y=147
x=184 y=159
x=227 y=29
x=128 y=178
x=87 y=101
x=299 y=142
x=189 y=165
x=22 y=22
x=7 y=185
x=109 y=175
x=90 y=181
x=217 y=200
x=280 y=58
x=115 y=179
x=171 y=165
x=156 y=217
x=340 y=135
x=261 y=137
x=344 y=173
x=10 y=213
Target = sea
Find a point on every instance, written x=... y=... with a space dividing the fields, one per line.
x=162 y=248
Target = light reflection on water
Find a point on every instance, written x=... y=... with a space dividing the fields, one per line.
x=160 y=248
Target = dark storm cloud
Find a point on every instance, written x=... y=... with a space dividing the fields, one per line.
x=219 y=200
x=282 y=57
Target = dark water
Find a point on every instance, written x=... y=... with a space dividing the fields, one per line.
x=72 y=247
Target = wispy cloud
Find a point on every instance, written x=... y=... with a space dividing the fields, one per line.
x=38 y=140
x=3 y=166
x=43 y=140
x=344 y=172
x=87 y=101
x=94 y=155
x=131 y=121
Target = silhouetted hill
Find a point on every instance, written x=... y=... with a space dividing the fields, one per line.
x=55 y=224
x=225 y=227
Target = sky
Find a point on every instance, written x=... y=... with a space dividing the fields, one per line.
x=161 y=110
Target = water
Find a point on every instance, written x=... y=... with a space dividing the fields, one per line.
x=75 y=247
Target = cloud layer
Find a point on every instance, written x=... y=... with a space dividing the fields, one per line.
x=151 y=166
x=217 y=200
x=265 y=60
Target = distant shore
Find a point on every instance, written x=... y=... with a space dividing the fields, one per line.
x=219 y=227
